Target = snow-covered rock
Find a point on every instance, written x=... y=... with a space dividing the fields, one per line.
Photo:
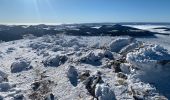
x=118 y=44
x=55 y=60
x=136 y=67
x=19 y=66
x=104 y=92
x=146 y=58
x=92 y=57
x=130 y=47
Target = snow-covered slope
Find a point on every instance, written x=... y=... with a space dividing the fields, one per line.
x=83 y=68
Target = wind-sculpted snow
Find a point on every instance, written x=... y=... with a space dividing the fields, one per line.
x=83 y=68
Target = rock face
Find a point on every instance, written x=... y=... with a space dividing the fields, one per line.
x=20 y=66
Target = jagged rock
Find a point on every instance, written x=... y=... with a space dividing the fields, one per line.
x=72 y=74
x=35 y=85
x=116 y=66
x=91 y=83
x=138 y=98
x=84 y=75
x=20 y=66
x=121 y=75
x=42 y=88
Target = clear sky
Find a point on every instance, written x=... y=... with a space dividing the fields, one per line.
x=84 y=11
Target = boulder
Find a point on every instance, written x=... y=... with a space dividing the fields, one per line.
x=19 y=66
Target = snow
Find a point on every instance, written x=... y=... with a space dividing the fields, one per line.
x=19 y=66
x=74 y=67
x=118 y=44
x=103 y=92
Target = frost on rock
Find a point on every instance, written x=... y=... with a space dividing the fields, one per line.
x=19 y=66
x=94 y=57
x=55 y=61
x=104 y=92
x=150 y=69
x=148 y=57
x=130 y=47
x=118 y=44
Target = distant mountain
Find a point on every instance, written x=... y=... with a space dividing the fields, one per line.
x=111 y=30
x=165 y=28
x=15 y=32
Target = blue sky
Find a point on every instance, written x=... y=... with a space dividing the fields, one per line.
x=84 y=11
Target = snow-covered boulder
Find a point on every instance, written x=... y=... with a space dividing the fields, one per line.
x=130 y=47
x=19 y=66
x=104 y=92
x=149 y=69
x=117 y=44
x=147 y=58
x=55 y=61
x=92 y=57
